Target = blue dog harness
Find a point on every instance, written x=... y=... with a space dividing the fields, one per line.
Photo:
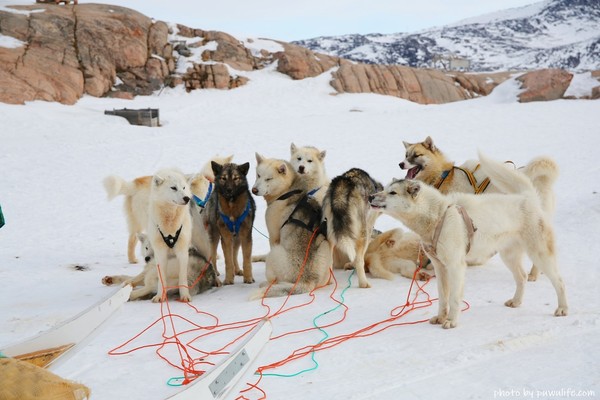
x=202 y=203
x=312 y=192
x=234 y=225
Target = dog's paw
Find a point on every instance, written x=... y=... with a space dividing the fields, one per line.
x=512 y=303
x=449 y=324
x=107 y=280
x=532 y=277
x=561 y=312
x=437 y=320
x=365 y=284
x=348 y=266
x=239 y=272
x=158 y=298
x=423 y=276
x=228 y=282
x=133 y=261
x=249 y=280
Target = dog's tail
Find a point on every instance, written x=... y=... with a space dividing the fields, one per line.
x=115 y=186
x=281 y=289
x=505 y=177
x=543 y=172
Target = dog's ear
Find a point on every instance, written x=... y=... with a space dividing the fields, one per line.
x=157 y=180
x=413 y=188
x=216 y=167
x=428 y=143
x=282 y=169
x=259 y=158
x=293 y=148
x=244 y=168
x=322 y=155
x=406 y=144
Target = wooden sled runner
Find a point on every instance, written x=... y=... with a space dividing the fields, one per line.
x=47 y=348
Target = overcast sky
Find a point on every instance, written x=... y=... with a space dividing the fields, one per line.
x=292 y=20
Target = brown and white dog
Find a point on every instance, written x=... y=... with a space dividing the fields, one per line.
x=426 y=163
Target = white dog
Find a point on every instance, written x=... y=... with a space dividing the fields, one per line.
x=460 y=228
x=137 y=193
x=169 y=227
x=308 y=161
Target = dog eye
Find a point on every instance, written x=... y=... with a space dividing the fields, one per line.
x=299 y=158
x=418 y=155
x=392 y=193
x=309 y=161
x=173 y=187
x=268 y=179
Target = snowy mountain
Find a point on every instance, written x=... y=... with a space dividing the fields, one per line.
x=549 y=34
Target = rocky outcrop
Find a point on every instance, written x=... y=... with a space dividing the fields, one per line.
x=544 y=85
x=104 y=50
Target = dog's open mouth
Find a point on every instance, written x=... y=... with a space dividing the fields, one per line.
x=411 y=173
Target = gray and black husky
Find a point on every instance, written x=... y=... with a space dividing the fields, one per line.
x=350 y=219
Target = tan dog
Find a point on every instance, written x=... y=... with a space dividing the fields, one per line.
x=460 y=228
x=137 y=193
x=300 y=255
x=426 y=163
x=395 y=251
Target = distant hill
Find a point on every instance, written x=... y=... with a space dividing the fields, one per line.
x=549 y=34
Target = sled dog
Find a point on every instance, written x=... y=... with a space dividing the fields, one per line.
x=308 y=161
x=350 y=220
x=425 y=162
x=201 y=276
x=395 y=251
x=459 y=228
x=169 y=227
x=229 y=216
x=137 y=193
x=294 y=224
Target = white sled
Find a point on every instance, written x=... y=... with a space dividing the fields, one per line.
x=216 y=383
x=48 y=348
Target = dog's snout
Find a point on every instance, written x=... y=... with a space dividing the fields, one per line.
x=254 y=191
x=371 y=198
x=301 y=169
x=401 y=165
x=147 y=259
x=186 y=200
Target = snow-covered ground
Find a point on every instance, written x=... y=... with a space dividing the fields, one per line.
x=62 y=236
x=54 y=157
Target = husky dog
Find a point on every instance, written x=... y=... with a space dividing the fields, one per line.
x=201 y=276
x=229 y=216
x=349 y=218
x=459 y=228
x=308 y=161
x=294 y=224
x=395 y=251
x=425 y=162
x=137 y=193
x=170 y=227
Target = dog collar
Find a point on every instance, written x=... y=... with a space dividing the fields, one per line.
x=289 y=194
x=235 y=225
x=312 y=192
x=443 y=178
x=202 y=203
x=170 y=240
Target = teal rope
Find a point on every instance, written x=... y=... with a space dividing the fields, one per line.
x=260 y=232
x=316 y=364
